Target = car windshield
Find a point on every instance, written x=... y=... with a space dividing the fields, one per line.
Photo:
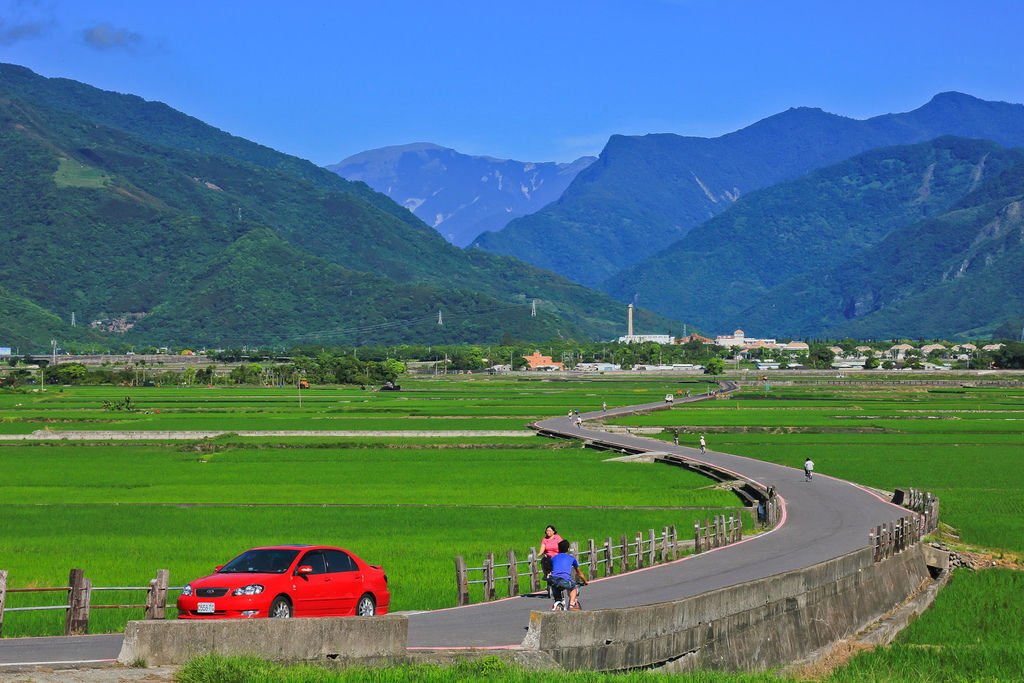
x=266 y=561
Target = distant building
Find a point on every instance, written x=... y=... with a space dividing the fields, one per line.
x=597 y=367
x=539 y=362
x=694 y=337
x=899 y=351
x=642 y=338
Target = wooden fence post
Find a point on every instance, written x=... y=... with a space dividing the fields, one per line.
x=664 y=545
x=534 y=571
x=513 y=573
x=489 y=577
x=609 y=557
x=461 y=581
x=592 y=563
x=3 y=596
x=650 y=551
x=639 y=549
x=696 y=537
x=624 y=559
x=76 y=620
x=156 y=596
x=675 y=542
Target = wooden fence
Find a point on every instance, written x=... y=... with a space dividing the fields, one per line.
x=78 y=601
x=922 y=502
x=718 y=532
x=898 y=535
x=895 y=537
x=607 y=558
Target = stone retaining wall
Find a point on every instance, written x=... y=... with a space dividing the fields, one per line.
x=748 y=627
x=367 y=641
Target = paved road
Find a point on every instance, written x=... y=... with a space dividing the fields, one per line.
x=822 y=519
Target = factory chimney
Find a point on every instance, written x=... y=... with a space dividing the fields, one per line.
x=629 y=321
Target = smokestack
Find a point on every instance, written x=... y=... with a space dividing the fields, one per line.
x=629 y=319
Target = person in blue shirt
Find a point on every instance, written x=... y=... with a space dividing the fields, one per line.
x=566 y=573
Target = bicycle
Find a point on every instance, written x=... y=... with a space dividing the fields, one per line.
x=562 y=597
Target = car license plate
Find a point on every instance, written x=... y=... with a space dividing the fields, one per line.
x=205 y=608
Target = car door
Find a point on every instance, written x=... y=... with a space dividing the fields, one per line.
x=312 y=591
x=346 y=582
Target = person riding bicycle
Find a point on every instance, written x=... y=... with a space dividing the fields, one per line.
x=808 y=469
x=703 y=444
x=566 y=573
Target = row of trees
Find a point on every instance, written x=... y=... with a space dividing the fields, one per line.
x=377 y=365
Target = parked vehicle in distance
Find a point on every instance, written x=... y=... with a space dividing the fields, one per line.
x=669 y=398
x=285 y=581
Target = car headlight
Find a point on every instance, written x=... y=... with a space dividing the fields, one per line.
x=251 y=589
x=187 y=591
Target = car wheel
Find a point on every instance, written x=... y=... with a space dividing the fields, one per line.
x=280 y=608
x=366 y=607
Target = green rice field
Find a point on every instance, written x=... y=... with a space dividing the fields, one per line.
x=123 y=509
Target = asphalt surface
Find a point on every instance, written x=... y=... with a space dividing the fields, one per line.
x=822 y=519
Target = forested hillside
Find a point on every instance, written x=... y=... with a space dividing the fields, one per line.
x=646 y=192
x=122 y=209
x=791 y=259
x=958 y=274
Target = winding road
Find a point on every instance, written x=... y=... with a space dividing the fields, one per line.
x=821 y=520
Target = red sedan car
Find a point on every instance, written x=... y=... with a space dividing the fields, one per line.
x=285 y=581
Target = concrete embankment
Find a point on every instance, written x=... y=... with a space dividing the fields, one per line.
x=752 y=626
x=367 y=641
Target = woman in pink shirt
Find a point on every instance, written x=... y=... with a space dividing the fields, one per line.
x=549 y=544
x=548 y=549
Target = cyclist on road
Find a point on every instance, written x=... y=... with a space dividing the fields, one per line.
x=566 y=573
x=703 y=445
x=808 y=469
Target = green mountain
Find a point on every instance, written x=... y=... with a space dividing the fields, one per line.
x=130 y=213
x=647 y=192
x=957 y=275
x=776 y=262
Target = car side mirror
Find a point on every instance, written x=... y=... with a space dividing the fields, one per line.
x=303 y=570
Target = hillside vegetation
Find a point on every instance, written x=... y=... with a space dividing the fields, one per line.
x=646 y=192
x=118 y=206
x=885 y=244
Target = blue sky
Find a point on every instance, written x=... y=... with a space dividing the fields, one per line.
x=533 y=81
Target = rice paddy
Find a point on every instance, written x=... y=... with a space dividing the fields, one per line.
x=123 y=509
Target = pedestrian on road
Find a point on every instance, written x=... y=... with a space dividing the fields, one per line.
x=604 y=406
x=675 y=436
x=579 y=422
x=703 y=444
x=808 y=469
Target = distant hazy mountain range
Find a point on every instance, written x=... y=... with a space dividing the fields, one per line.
x=136 y=216
x=646 y=192
x=459 y=195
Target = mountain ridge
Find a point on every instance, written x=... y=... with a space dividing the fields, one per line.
x=645 y=192
x=460 y=195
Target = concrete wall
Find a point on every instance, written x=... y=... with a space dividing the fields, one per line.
x=748 y=627
x=358 y=640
